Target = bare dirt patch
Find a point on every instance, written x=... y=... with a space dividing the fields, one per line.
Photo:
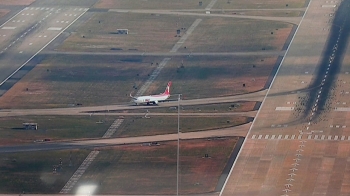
x=16 y=2
x=152 y=169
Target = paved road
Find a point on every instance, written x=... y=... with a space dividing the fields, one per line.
x=299 y=142
x=48 y=22
x=257 y=96
x=28 y=32
x=293 y=20
x=168 y=54
x=234 y=131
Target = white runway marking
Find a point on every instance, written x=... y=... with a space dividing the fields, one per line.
x=8 y=28
x=309 y=136
x=153 y=76
x=113 y=128
x=342 y=109
x=210 y=5
x=329 y=6
x=284 y=108
x=2 y=26
x=54 y=29
x=185 y=36
x=80 y=171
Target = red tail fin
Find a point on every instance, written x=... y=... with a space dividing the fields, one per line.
x=167 y=90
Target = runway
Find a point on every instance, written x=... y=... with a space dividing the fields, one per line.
x=299 y=142
x=27 y=33
x=257 y=96
x=93 y=143
x=273 y=152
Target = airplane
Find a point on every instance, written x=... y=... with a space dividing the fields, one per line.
x=154 y=99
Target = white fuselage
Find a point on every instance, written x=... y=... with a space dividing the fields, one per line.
x=151 y=99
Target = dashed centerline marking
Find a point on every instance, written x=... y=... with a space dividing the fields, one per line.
x=307 y=136
x=284 y=108
x=54 y=28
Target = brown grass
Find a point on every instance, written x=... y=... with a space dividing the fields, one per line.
x=233 y=35
x=157 y=125
x=32 y=172
x=61 y=81
x=147 y=33
x=152 y=170
x=52 y=127
x=215 y=76
x=3 y=12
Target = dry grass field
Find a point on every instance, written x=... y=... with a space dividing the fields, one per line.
x=62 y=81
x=3 y=12
x=151 y=4
x=156 y=33
x=151 y=170
x=214 y=76
x=66 y=80
x=254 y=4
x=53 y=128
x=33 y=172
x=236 y=35
x=139 y=126
x=147 y=33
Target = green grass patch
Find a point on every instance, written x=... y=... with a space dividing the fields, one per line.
x=33 y=172
x=147 y=170
x=53 y=127
x=139 y=126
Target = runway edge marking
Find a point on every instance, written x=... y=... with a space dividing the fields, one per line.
x=42 y=47
x=262 y=104
x=13 y=17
